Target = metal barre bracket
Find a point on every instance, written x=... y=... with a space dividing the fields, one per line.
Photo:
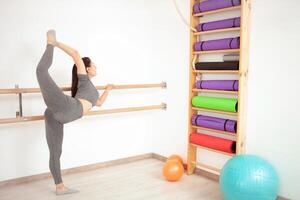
x=164 y=85
x=20 y=112
x=164 y=106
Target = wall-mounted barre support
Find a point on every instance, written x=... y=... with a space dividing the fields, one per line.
x=96 y=112
x=18 y=90
x=20 y=112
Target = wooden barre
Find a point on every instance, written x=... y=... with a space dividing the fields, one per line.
x=130 y=86
x=96 y=112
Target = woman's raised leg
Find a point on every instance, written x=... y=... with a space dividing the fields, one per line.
x=53 y=96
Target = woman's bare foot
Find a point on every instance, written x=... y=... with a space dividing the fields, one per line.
x=51 y=37
x=61 y=189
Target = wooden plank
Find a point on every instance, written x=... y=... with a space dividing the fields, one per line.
x=244 y=62
x=97 y=112
x=215 y=111
x=217 y=31
x=142 y=180
x=215 y=91
x=216 y=131
x=192 y=150
x=217 y=11
x=217 y=51
x=208 y=168
x=73 y=170
x=117 y=87
x=213 y=150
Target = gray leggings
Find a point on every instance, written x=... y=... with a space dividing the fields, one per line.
x=60 y=109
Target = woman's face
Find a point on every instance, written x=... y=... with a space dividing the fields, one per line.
x=92 y=70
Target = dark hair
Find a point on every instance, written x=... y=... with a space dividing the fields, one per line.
x=87 y=63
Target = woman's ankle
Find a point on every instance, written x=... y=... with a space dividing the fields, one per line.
x=60 y=186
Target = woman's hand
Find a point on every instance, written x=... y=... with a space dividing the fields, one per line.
x=103 y=97
x=109 y=87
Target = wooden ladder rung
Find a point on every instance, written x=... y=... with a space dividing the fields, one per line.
x=207 y=168
x=213 y=150
x=215 y=91
x=214 y=130
x=216 y=71
x=217 y=51
x=215 y=111
x=217 y=11
x=217 y=31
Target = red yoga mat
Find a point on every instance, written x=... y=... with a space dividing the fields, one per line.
x=213 y=142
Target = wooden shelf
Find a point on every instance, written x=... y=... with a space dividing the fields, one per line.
x=215 y=111
x=216 y=71
x=213 y=150
x=217 y=31
x=244 y=12
x=207 y=168
x=216 y=91
x=217 y=51
x=214 y=130
x=217 y=11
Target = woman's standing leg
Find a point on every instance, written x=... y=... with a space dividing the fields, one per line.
x=54 y=135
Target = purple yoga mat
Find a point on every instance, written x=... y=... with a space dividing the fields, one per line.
x=227 y=43
x=214 y=123
x=231 y=85
x=226 y=23
x=214 y=5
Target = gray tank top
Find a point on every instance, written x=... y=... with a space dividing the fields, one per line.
x=86 y=89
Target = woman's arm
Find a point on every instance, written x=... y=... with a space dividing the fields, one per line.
x=75 y=55
x=103 y=97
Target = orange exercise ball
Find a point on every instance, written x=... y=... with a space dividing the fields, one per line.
x=176 y=157
x=173 y=170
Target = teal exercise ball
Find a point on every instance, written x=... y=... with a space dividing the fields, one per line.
x=248 y=177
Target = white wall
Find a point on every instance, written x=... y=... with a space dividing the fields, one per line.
x=135 y=42
x=273 y=113
x=128 y=42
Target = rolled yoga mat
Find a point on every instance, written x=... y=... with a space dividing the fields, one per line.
x=214 y=5
x=231 y=57
x=229 y=85
x=214 y=123
x=226 y=43
x=213 y=142
x=228 y=65
x=215 y=103
x=226 y=23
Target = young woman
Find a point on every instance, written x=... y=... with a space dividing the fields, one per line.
x=62 y=108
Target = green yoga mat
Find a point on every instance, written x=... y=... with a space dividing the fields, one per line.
x=215 y=103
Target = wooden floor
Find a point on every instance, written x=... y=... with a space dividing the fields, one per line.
x=140 y=180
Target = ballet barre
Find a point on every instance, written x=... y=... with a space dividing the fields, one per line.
x=20 y=118
x=18 y=90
